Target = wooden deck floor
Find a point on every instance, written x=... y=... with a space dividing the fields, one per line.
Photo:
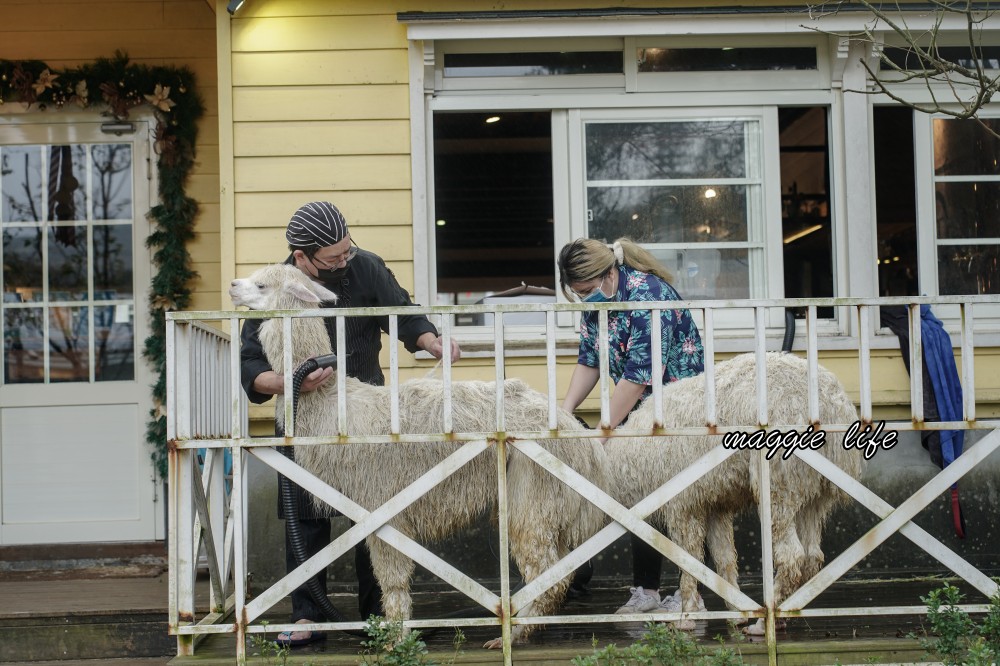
x=844 y=640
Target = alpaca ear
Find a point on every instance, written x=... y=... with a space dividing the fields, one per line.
x=313 y=293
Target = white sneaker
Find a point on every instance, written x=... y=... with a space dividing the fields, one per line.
x=672 y=603
x=641 y=601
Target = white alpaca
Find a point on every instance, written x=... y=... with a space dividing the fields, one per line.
x=801 y=499
x=547 y=518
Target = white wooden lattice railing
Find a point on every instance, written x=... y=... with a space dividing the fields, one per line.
x=207 y=411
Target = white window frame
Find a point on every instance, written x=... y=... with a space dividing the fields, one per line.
x=701 y=30
x=987 y=316
x=764 y=224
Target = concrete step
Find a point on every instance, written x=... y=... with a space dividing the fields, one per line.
x=102 y=603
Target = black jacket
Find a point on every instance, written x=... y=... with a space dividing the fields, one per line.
x=368 y=282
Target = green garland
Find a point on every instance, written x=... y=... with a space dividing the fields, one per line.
x=116 y=86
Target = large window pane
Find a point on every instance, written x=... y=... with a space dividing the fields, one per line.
x=114 y=343
x=112 y=261
x=23 y=346
x=112 y=181
x=532 y=64
x=726 y=59
x=965 y=148
x=708 y=274
x=67 y=182
x=968 y=269
x=22 y=264
x=21 y=183
x=69 y=351
x=666 y=150
x=968 y=210
x=686 y=214
x=67 y=263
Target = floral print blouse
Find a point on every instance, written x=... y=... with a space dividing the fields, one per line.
x=629 y=332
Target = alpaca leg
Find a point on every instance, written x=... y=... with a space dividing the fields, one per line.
x=690 y=535
x=394 y=572
x=789 y=556
x=809 y=523
x=534 y=553
x=722 y=547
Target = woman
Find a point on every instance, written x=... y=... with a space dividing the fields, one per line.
x=625 y=272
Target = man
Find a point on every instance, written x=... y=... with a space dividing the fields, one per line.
x=321 y=247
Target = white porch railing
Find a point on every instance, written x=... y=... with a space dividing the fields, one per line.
x=202 y=510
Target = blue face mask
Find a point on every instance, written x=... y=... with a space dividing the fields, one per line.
x=598 y=295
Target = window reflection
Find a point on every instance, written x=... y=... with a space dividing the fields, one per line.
x=67 y=180
x=69 y=345
x=688 y=214
x=666 y=150
x=52 y=255
x=22 y=264
x=112 y=181
x=21 y=183
x=114 y=343
x=67 y=263
x=112 y=261
x=23 y=346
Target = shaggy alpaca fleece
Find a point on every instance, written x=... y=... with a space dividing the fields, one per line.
x=547 y=518
x=801 y=499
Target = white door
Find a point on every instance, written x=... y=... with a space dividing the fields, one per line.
x=74 y=389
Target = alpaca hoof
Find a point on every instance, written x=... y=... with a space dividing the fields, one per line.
x=495 y=644
x=758 y=629
x=686 y=625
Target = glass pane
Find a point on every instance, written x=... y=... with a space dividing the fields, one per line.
x=67 y=263
x=667 y=150
x=532 y=64
x=968 y=269
x=708 y=274
x=22 y=264
x=726 y=59
x=112 y=262
x=114 y=344
x=965 y=148
x=112 y=181
x=67 y=183
x=69 y=352
x=968 y=210
x=689 y=214
x=21 y=183
x=960 y=55
x=23 y=346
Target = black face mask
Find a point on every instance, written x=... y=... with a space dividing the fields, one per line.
x=327 y=275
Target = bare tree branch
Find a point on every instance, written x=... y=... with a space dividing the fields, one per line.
x=970 y=86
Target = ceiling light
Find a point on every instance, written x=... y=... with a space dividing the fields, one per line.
x=234 y=6
x=493 y=119
x=440 y=223
x=710 y=193
x=806 y=232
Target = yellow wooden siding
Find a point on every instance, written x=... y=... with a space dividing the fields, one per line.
x=319 y=67
x=371 y=207
x=322 y=173
x=70 y=33
x=318 y=33
x=320 y=102
x=301 y=137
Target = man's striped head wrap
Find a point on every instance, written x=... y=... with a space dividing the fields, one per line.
x=317 y=223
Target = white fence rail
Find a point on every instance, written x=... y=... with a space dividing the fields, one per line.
x=207 y=411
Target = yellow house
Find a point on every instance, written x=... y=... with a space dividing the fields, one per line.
x=466 y=143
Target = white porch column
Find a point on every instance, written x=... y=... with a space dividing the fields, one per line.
x=859 y=179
